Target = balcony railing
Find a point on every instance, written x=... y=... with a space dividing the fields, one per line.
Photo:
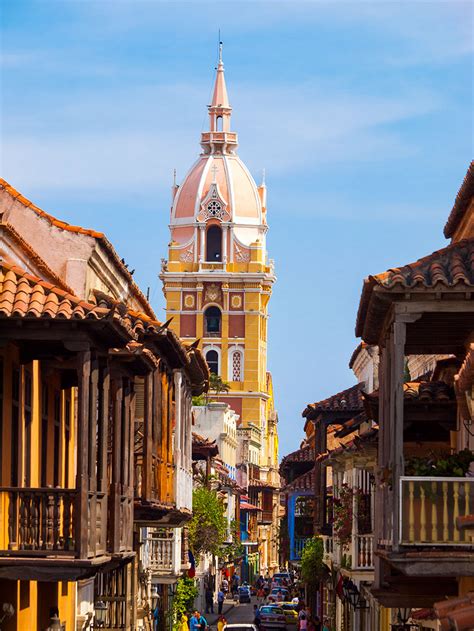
x=298 y=546
x=266 y=517
x=162 y=554
x=328 y=548
x=43 y=522
x=429 y=507
x=39 y=520
x=362 y=552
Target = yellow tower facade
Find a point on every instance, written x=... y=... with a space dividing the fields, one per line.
x=218 y=280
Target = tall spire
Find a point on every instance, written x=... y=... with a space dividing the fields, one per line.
x=219 y=139
x=219 y=97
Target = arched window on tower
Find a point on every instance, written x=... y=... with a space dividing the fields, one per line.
x=212 y=322
x=214 y=244
x=237 y=366
x=212 y=359
x=219 y=123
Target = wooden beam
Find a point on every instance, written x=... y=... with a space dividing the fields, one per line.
x=396 y=421
x=148 y=435
x=82 y=478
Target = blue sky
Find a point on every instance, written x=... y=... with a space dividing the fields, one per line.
x=360 y=112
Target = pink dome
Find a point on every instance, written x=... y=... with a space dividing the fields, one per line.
x=235 y=186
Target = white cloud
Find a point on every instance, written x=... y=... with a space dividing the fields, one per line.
x=126 y=140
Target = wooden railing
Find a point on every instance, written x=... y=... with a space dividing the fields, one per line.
x=362 y=552
x=40 y=520
x=161 y=554
x=328 y=548
x=429 y=507
x=266 y=517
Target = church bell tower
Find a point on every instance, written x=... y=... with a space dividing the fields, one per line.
x=217 y=280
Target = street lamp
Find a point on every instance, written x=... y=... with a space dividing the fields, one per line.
x=100 y=611
x=54 y=622
x=353 y=595
x=402 y=624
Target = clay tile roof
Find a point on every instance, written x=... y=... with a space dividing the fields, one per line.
x=461 y=203
x=349 y=399
x=446 y=268
x=305 y=454
x=456 y=613
x=358 y=443
x=62 y=225
x=304 y=482
x=465 y=377
x=26 y=296
x=351 y=425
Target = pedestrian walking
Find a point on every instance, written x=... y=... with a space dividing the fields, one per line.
x=221 y=622
x=209 y=595
x=220 y=601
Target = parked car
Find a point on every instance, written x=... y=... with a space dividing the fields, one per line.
x=244 y=594
x=291 y=614
x=282 y=576
x=241 y=626
x=279 y=594
x=271 y=617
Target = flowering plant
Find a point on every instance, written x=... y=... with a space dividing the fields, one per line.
x=343 y=512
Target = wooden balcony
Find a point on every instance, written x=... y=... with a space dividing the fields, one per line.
x=164 y=550
x=430 y=543
x=266 y=517
x=43 y=524
x=298 y=545
x=429 y=508
x=362 y=552
x=328 y=547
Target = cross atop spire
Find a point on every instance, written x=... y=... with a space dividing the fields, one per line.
x=219 y=138
x=219 y=97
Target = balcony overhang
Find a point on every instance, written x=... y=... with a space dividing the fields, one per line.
x=401 y=591
x=155 y=514
x=426 y=563
x=58 y=568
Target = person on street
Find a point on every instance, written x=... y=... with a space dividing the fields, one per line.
x=326 y=625
x=198 y=622
x=256 y=616
x=303 y=623
x=220 y=601
x=221 y=622
x=260 y=595
x=209 y=600
x=183 y=623
x=225 y=585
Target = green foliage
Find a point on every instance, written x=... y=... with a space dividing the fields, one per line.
x=447 y=465
x=312 y=561
x=200 y=400
x=216 y=385
x=235 y=550
x=208 y=526
x=183 y=601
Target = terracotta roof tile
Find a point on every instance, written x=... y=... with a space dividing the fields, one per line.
x=79 y=230
x=349 y=399
x=23 y=295
x=465 y=377
x=461 y=203
x=449 y=267
x=304 y=482
x=305 y=454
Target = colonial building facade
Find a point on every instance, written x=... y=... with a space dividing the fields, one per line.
x=218 y=282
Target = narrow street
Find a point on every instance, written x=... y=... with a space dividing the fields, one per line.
x=233 y=612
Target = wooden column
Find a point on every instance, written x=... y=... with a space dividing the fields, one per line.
x=115 y=487
x=102 y=482
x=82 y=477
x=396 y=421
x=148 y=436
x=92 y=449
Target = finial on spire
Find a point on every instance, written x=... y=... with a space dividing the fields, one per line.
x=220 y=49
x=263 y=177
x=174 y=177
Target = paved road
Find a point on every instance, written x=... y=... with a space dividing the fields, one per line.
x=234 y=612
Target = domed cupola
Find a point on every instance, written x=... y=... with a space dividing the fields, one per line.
x=218 y=187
